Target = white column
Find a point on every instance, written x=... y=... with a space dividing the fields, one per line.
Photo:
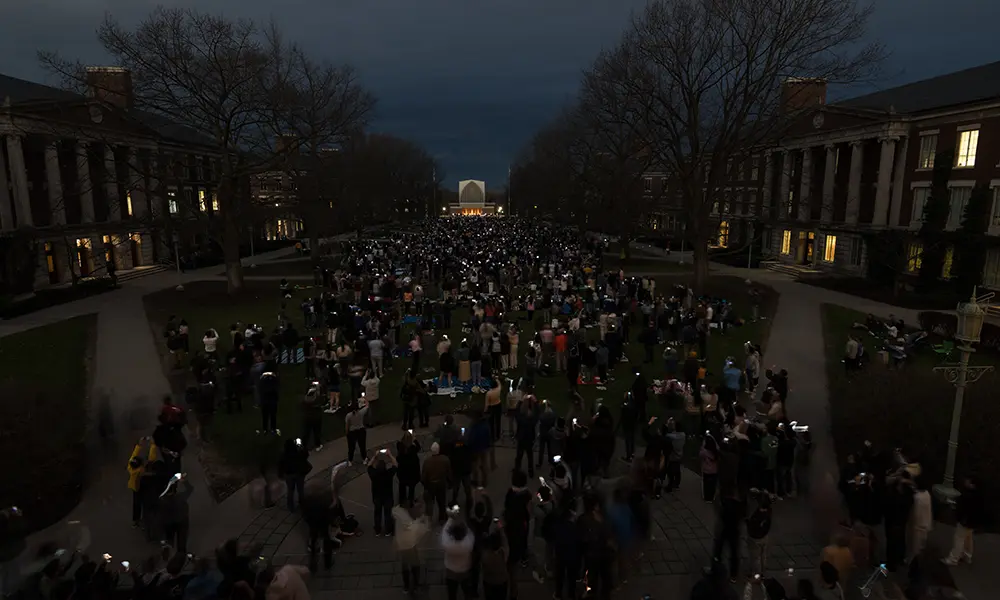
x=111 y=184
x=805 y=183
x=766 y=189
x=6 y=199
x=137 y=185
x=786 y=184
x=899 y=174
x=19 y=181
x=854 y=183
x=57 y=202
x=829 y=178
x=882 y=190
x=84 y=184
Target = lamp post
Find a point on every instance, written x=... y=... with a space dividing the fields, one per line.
x=970 y=324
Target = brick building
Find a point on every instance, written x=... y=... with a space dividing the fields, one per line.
x=87 y=178
x=844 y=171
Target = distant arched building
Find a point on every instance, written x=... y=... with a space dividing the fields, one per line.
x=472 y=199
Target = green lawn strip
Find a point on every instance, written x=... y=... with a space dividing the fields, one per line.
x=205 y=305
x=911 y=408
x=44 y=417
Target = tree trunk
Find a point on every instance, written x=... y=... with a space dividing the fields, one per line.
x=231 y=256
x=700 y=260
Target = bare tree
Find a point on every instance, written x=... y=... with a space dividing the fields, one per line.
x=710 y=75
x=227 y=80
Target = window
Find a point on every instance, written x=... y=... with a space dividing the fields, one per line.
x=725 y=207
x=715 y=207
x=830 y=249
x=857 y=251
x=949 y=256
x=751 y=206
x=914 y=254
x=991 y=270
x=765 y=239
x=729 y=169
x=967 y=143
x=50 y=261
x=707 y=172
x=920 y=196
x=647 y=184
x=755 y=168
x=786 y=241
x=789 y=203
x=959 y=198
x=995 y=211
x=128 y=203
x=202 y=204
x=215 y=202
x=928 y=148
x=723 y=239
x=172 y=201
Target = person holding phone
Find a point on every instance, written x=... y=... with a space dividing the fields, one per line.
x=382 y=469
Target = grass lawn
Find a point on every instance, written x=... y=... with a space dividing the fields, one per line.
x=645 y=264
x=205 y=304
x=911 y=407
x=290 y=268
x=44 y=374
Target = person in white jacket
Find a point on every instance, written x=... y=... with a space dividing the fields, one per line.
x=921 y=518
x=410 y=531
x=457 y=541
x=289 y=584
x=211 y=341
x=370 y=385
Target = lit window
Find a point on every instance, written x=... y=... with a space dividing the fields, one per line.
x=914 y=254
x=959 y=198
x=128 y=203
x=202 y=205
x=172 y=201
x=830 y=249
x=786 y=241
x=967 y=143
x=215 y=202
x=647 y=184
x=723 y=239
x=50 y=261
x=949 y=256
x=928 y=148
x=920 y=196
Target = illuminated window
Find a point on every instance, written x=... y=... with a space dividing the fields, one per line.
x=172 y=201
x=786 y=241
x=128 y=203
x=928 y=148
x=949 y=256
x=723 y=240
x=914 y=254
x=50 y=261
x=215 y=202
x=830 y=249
x=202 y=204
x=967 y=143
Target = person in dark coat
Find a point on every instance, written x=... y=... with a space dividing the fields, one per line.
x=408 y=473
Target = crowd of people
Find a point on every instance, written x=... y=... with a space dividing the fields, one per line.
x=580 y=521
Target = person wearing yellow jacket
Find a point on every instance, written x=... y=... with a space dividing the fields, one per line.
x=144 y=453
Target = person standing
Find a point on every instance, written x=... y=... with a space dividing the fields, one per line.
x=970 y=514
x=370 y=385
x=494 y=409
x=435 y=476
x=408 y=473
x=376 y=349
x=458 y=542
x=313 y=404
x=493 y=564
x=732 y=510
x=354 y=424
x=143 y=454
x=175 y=513
x=411 y=527
x=709 y=456
x=382 y=469
x=921 y=518
x=758 y=528
x=293 y=466
x=269 y=394
x=628 y=420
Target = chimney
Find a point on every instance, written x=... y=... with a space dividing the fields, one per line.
x=798 y=93
x=112 y=85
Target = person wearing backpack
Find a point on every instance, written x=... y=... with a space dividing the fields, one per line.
x=758 y=528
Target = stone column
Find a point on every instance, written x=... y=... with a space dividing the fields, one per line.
x=19 y=181
x=829 y=179
x=805 y=184
x=111 y=184
x=98 y=250
x=41 y=266
x=57 y=202
x=84 y=184
x=786 y=185
x=899 y=174
x=883 y=190
x=6 y=199
x=768 y=187
x=137 y=185
x=854 y=183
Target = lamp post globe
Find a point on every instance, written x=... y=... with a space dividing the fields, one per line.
x=971 y=316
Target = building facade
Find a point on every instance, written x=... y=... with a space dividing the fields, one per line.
x=842 y=173
x=89 y=180
x=472 y=200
